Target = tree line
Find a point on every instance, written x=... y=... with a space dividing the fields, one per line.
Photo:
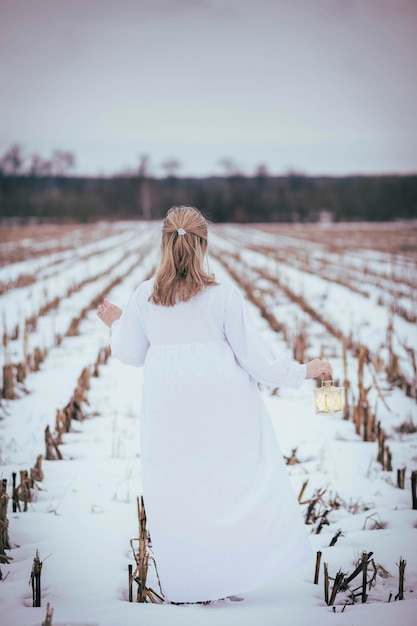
x=47 y=191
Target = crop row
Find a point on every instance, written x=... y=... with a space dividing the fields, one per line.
x=363 y=371
x=398 y=357
x=26 y=352
x=22 y=244
x=17 y=276
x=395 y=288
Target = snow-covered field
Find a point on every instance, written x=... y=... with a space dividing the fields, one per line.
x=359 y=281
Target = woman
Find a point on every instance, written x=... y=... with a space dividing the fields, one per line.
x=222 y=515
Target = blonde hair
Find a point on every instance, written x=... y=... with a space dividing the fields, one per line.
x=180 y=274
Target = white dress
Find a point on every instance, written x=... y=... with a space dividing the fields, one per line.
x=222 y=514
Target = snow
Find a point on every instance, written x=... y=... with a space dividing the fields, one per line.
x=84 y=511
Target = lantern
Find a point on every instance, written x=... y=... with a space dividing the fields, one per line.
x=328 y=399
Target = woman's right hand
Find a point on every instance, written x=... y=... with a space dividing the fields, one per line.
x=317 y=368
x=108 y=312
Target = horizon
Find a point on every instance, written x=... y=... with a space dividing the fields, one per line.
x=132 y=173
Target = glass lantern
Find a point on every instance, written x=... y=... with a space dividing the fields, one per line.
x=328 y=399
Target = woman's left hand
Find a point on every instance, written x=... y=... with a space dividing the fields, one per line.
x=108 y=312
x=318 y=367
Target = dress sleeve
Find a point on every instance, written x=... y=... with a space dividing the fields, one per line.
x=128 y=341
x=253 y=353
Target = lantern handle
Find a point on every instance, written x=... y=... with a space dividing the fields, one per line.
x=328 y=382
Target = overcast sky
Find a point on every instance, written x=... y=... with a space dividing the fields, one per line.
x=320 y=86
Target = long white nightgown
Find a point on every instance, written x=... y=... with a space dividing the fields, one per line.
x=222 y=514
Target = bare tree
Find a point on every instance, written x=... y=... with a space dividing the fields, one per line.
x=230 y=167
x=12 y=162
x=62 y=162
x=145 y=194
x=171 y=166
x=39 y=166
x=262 y=171
x=144 y=169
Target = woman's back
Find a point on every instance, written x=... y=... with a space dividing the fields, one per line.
x=198 y=320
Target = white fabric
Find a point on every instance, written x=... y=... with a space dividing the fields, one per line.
x=222 y=515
